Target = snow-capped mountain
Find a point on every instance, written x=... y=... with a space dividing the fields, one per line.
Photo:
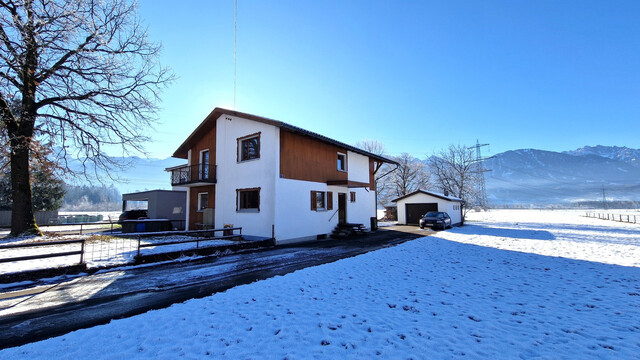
x=530 y=176
x=630 y=156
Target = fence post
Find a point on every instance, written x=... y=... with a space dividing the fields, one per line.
x=82 y=252
x=138 y=246
x=80 y=228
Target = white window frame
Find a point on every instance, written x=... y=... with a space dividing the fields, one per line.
x=200 y=208
x=201 y=165
x=344 y=162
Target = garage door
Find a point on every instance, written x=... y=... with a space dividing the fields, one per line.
x=416 y=211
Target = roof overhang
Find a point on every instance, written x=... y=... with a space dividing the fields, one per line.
x=347 y=183
x=210 y=122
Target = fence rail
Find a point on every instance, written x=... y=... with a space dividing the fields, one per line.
x=628 y=218
x=44 y=256
x=119 y=250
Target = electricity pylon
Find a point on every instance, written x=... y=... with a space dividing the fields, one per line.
x=482 y=189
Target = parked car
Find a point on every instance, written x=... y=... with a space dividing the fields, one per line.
x=435 y=219
x=133 y=215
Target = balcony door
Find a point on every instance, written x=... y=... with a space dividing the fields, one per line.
x=204 y=165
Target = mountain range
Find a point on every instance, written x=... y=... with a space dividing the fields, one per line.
x=516 y=177
x=539 y=177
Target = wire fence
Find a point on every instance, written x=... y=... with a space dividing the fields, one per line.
x=627 y=218
x=97 y=251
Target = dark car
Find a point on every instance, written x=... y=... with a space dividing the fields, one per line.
x=435 y=219
x=133 y=215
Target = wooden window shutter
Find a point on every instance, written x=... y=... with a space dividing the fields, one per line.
x=329 y=200
x=313 y=201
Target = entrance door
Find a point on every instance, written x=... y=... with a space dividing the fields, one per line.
x=342 y=208
x=415 y=212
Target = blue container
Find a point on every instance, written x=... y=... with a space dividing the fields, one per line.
x=140 y=227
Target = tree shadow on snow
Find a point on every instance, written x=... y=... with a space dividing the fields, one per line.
x=481 y=229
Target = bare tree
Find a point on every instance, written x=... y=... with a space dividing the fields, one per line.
x=456 y=172
x=411 y=175
x=85 y=77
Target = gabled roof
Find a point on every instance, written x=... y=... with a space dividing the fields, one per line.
x=209 y=122
x=441 y=196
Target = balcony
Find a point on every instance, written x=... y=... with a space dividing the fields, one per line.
x=192 y=175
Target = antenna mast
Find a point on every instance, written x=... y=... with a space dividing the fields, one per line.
x=235 y=36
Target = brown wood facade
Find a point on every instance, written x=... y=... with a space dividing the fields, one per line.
x=306 y=158
x=206 y=142
x=195 y=216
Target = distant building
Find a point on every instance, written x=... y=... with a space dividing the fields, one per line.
x=412 y=207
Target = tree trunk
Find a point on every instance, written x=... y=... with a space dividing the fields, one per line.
x=22 y=218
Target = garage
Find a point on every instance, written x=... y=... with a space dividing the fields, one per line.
x=416 y=211
x=412 y=206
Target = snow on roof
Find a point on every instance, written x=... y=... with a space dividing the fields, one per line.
x=431 y=193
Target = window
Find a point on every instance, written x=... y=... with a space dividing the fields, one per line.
x=321 y=200
x=204 y=165
x=352 y=196
x=203 y=201
x=248 y=199
x=342 y=162
x=249 y=147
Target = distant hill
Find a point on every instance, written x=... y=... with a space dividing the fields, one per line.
x=539 y=177
x=140 y=174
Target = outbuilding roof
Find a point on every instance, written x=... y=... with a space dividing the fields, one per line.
x=434 y=194
x=209 y=122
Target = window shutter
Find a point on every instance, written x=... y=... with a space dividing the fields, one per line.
x=313 y=201
x=329 y=200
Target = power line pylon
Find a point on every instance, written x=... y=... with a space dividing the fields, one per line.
x=482 y=189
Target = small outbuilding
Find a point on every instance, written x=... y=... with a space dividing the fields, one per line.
x=412 y=207
x=160 y=204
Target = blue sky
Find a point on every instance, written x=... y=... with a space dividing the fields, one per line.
x=416 y=76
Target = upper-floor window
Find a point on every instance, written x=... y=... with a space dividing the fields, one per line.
x=342 y=162
x=249 y=147
x=204 y=165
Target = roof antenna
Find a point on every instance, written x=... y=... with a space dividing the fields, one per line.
x=235 y=31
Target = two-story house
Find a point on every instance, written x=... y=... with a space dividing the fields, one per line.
x=273 y=179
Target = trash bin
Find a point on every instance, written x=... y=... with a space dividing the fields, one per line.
x=374 y=224
x=140 y=227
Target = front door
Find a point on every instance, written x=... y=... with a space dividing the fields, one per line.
x=342 y=208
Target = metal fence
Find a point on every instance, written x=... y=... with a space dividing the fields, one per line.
x=103 y=251
x=628 y=218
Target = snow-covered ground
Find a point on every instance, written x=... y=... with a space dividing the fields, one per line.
x=518 y=284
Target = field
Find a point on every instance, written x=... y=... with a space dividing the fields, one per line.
x=510 y=284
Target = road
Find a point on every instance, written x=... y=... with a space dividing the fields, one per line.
x=58 y=307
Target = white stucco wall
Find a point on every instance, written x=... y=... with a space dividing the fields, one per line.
x=363 y=209
x=232 y=175
x=295 y=221
x=419 y=198
x=358 y=167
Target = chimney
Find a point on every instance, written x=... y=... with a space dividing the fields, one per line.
x=446 y=193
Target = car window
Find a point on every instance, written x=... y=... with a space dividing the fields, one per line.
x=431 y=214
x=440 y=215
x=446 y=215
